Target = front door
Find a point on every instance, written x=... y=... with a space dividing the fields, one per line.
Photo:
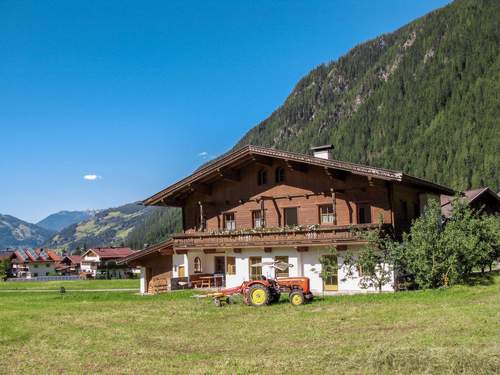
x=332 y=281
x=182 y=272
x=220 y=265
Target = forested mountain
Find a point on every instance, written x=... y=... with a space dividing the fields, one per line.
x=424 y=99
x=63 y=219
x=16 y=233
x=157 y=226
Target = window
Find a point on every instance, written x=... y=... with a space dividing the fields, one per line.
x=231 y=265
x=197 y=265
x=291 y=217
x=229 y=222
x=257 y=219
x=262 y=177
x=280 y=175
x=326 y=215
x=282 y=273
x=364 y=214
x=255 y=271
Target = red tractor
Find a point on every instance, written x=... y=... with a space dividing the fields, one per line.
x=266 y=291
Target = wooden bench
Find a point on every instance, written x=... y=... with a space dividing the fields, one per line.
x=197 y=281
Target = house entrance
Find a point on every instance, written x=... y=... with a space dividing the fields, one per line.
x=332 y=282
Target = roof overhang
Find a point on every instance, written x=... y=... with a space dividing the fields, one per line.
x=228 y=165
x=165 y=248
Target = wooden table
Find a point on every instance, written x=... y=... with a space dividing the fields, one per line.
x=209 y=280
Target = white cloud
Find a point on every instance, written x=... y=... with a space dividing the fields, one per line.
x=91 y=177
x=205 y=155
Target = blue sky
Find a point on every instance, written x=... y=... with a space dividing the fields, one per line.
x=136 y=94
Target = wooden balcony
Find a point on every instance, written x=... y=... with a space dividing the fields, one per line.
x=277 y=237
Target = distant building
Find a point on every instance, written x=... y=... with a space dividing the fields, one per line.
x=101 y=262
x=482 y=199
x=69 y=265
x=34 y=263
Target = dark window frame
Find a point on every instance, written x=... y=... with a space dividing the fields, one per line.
x=285 y=209
x=367 y=209
x=262 y=177
x=279 y=175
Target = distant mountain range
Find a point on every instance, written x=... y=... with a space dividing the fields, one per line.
x=110 y=227
x=16 y=233
x=131 y=225
x=58 y=221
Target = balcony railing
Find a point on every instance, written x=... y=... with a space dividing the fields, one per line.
x=303 y=236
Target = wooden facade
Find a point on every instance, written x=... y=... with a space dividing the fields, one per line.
x=257 y=198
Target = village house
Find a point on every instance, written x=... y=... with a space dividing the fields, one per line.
x=69 y=265
x=101 y=262
x=483 y=200
x=257 y=205
x=34 y=263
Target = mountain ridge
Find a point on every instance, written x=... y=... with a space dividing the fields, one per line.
x=422 y=99
x=62 y=219
x=16 y=233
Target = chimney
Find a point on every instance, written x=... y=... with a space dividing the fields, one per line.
x=323 y=152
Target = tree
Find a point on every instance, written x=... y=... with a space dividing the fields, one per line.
x=439 y=253
x=5 y=267
x=374 y=262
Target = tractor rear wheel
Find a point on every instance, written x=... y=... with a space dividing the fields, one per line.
x=258 y=295
x=297 y=298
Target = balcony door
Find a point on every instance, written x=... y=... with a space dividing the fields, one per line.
x=331 y=283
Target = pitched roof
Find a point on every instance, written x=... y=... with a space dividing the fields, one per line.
x=160 y=247
x=53 y=255
x=239 y=157
x=75 y=259
x=111 y=252
x=469 y=196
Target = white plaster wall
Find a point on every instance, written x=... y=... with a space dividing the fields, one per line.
x=142 y=288
x=243 y=263
x=177 y=260
x=312 y=270
x=352 y=284
x=42 y=269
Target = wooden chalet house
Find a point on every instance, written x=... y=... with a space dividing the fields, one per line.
x=258 y=205
x=102 y=262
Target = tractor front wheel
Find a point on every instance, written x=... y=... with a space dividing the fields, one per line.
x=297 y=298
x=258 y=295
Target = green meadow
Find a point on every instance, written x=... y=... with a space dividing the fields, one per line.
x=447 y=331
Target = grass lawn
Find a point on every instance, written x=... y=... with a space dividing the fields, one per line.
x=69 y=285
x=448 y=331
